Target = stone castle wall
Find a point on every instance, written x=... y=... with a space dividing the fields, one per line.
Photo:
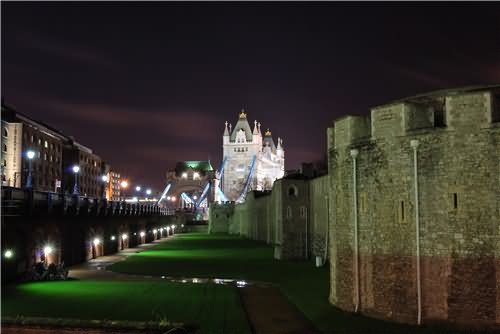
x=293 y=217
x=459 y=194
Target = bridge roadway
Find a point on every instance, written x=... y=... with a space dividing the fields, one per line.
x=58 y=227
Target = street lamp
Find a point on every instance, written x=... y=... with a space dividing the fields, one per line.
x=30 y=155
x=47 y=250
x=76 y=170
x=148 y=192
x=104 y=180
x=124 y=185
x=8 y=254
x=138 y=188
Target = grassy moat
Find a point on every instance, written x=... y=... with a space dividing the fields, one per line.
x=213 y=308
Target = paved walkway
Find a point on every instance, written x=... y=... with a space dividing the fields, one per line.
x=95 y=269
x=269 y=312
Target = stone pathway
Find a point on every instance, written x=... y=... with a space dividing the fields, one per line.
x=96 y=268
x=269 y=312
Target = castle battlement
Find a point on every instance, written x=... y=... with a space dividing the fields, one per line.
x=463 y=109
x=428 y=163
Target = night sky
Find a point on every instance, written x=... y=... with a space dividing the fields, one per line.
x=147 y=85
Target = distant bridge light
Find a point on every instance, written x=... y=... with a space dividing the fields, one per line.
x=8 y=254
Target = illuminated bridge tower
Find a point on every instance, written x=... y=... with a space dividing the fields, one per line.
x=253 y=160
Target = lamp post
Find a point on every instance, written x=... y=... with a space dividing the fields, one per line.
x=76 y=170
x=138 y=191
x=104 y=180
x=123 y=185
x=30 y=155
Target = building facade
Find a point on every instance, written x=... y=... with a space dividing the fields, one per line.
x=113 y=186
x=89 y=177
x=252 y=161
x=21 y=134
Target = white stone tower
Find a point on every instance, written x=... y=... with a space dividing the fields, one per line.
x=253 y=161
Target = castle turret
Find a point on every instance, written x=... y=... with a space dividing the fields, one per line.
x=251 y=159
x=225 y=137
x=242 y=126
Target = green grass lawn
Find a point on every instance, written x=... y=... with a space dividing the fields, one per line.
x=224 y=256
x=214 y=308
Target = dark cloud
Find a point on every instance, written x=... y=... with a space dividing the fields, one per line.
x=149 y=84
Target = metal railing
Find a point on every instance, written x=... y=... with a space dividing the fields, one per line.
x=28 y=202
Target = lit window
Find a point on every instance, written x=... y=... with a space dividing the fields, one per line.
x=39 y=141
x=32 y=138
x=196 y=175
x=46 y=144
x=184 y=175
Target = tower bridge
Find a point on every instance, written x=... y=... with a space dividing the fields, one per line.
x=251 y=161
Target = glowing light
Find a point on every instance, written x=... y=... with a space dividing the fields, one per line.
x=241 y=284
x=8 y=254
x=182 y=225
x=104 y=178
x=184 y=175
x=142 y=234
x=30 y=154
x=76 y=169
x=148 y=192
x=195 y=280
x=196 y=175
x=195 y=197
x=138 y=188
x=168 y=198
x=113 y=237
x=172 y=227
x=97 y=242
x=173 y=198
x=124 y=236
x=154 y=231
x=124 y=184
x=47 y=250
x=168 y=228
